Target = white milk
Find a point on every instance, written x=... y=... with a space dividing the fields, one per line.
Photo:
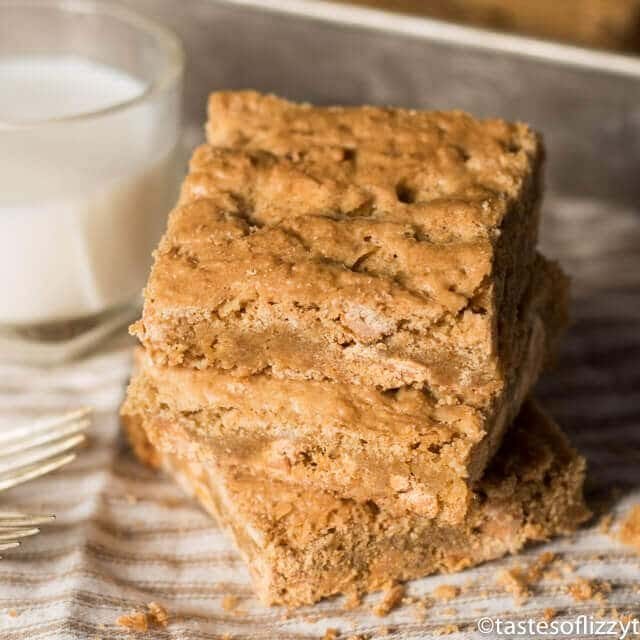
x=82 y=202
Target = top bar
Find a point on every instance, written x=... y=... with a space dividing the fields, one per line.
x=365 y=245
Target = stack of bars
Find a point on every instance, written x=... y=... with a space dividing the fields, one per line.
x=345 y=317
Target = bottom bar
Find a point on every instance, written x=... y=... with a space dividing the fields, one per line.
x=302 y=546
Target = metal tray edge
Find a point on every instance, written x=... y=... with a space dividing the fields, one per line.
x=449 y=33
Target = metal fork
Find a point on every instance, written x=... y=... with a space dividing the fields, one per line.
x=30 y=451
x=14 y=525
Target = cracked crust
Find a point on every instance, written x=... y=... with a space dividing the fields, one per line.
x=302 y=547
x=400 y=448
x=368 y=246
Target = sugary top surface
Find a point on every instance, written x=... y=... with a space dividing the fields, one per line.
x=383 y=208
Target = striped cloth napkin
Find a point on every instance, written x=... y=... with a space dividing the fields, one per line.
x=126 y=537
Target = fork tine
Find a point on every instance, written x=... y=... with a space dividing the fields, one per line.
x=9 y=545
x=46 y=424
x=11 y=479
x=16 y=519
x=38 y=455
x=12 y=534
x=44 y=437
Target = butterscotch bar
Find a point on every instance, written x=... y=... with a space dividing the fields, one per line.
x=372 y=246
x=398 y=448
x=302 y=546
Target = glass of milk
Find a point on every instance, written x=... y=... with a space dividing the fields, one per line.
x=89 y=137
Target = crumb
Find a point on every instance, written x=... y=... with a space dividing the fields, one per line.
x=604 y=526
x=229 y=602
x=446 y=630
x=549 y=614
x=420 y=611
x=227 y=636
x=630 y=529
x=583 y=589
x=567 y=567
x=352 y=601
x=515 y=581
x=518 y=580
x=158 y=614
x=136 y=621
x=626 y=618
x=537 y=568
x=391 y=598
x=12 y=613
x=449 y=611
x=384 y=631
x=446 y=592
x=552 y=574
x=330 y=634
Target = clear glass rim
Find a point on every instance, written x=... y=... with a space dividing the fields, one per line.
x=165 y=37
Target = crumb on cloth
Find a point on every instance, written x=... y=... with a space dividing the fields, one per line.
x=155 y=616
x=230 y=602
x=446 y=630
x=536 y=570
x=518 y=580
x=158 y=614
x=391 y=598
x=515 y=582
x=136 y=621
x=331 y=634
x=446 y=592
x=584 y=589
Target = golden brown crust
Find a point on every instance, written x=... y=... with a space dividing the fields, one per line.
x=302 y=547
x=376 y=246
